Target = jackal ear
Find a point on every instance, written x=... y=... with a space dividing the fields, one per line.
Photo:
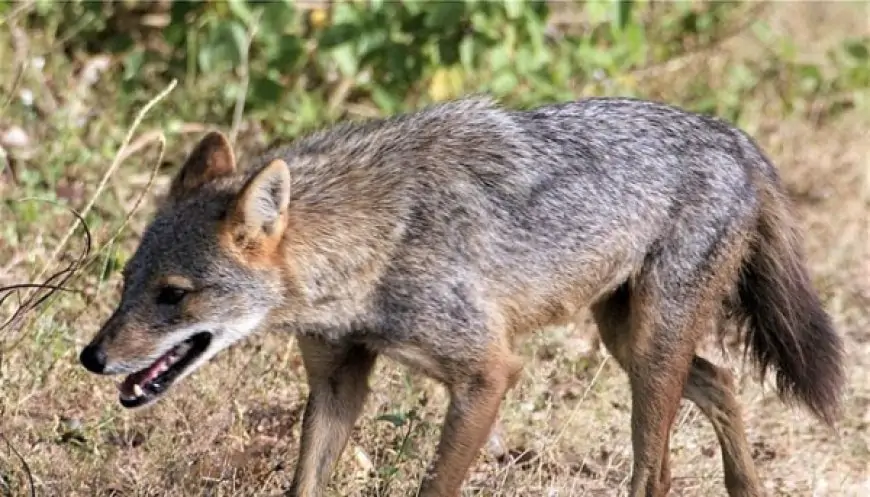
x=261 y=207
x=211 y=158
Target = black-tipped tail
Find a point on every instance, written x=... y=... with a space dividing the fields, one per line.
x=786 y=327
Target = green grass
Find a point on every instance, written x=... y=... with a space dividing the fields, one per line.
x=232 y=428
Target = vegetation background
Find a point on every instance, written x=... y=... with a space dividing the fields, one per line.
x=79 y=174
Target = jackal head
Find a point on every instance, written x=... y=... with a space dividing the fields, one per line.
x=207 y=272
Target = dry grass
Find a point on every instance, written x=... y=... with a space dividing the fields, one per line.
x=233 y=428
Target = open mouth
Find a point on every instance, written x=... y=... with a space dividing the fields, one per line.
x=150 y=383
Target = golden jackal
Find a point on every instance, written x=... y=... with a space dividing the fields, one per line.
x=436 y=238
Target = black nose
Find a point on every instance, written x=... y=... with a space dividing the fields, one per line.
x=93 y=358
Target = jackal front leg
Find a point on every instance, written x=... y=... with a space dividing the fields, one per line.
x=474 y=405
x=338 y=387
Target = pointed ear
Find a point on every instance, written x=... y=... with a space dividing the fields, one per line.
x=260 y=208
x=212 y=158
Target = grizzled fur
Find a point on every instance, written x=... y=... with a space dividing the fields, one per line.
x=436 y=238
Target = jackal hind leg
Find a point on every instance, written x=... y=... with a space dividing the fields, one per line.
x=652 y=326
x=709 y=387
x=712 y=389
x=656 y=373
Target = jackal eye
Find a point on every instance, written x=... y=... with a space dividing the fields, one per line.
x=170 y=295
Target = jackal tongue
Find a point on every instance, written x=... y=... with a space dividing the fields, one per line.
x=128 y=386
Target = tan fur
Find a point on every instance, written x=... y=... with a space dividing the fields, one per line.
x=243 y=232
x=176 y=281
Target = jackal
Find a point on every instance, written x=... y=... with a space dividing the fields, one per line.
x=437 y=237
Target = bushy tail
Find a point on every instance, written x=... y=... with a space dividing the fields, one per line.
x=784 y=322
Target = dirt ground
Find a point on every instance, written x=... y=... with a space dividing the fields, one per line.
x=233 y=427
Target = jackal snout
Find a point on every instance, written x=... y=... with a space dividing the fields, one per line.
x=118 y=347
x=93 y=358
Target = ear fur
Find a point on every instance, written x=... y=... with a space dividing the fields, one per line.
x=261 y=207
x=212 y=158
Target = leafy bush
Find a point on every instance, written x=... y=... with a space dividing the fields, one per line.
x=303 y=66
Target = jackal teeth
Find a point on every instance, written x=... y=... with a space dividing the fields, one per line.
x=137 y=390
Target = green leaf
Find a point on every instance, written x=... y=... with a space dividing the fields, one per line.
x=309 y=110
x=385 y=100
x=858 y=78
x=240 y=9
x=445 y=15
x=624 y=10
x=514 y=8
x=499 y=58
x=43 y=7
x=810 y=77
x=504 y=83
x=339 y=34
x=347 y=13
x=414 y=7
x=346 y=59
x=290 y=52
x=112 y=264
x=762 y=30
x=741 y=76
x=368 y=42
x=240 y=38
x=448 y=52
x=133 y=63
x=265 y=88
x=591 y=57
x=857 y=49
x=485 y=25
x=596 y=12
x=388 y=471
x=634 y=40
x=466 y=53
x=278 y=18
x=224 y=46
x=396 y=420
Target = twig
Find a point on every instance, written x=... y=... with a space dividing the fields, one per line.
x=24 y=464
x=34 y=299
x=108 y=174
x=364 y=111
x=150 y=136
x=401 y=452
x=20 y=9
x=339 y=95
x=161 y=139
x=537 y=456
x=20 y=286
x=16 y=83
x=241 y=98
